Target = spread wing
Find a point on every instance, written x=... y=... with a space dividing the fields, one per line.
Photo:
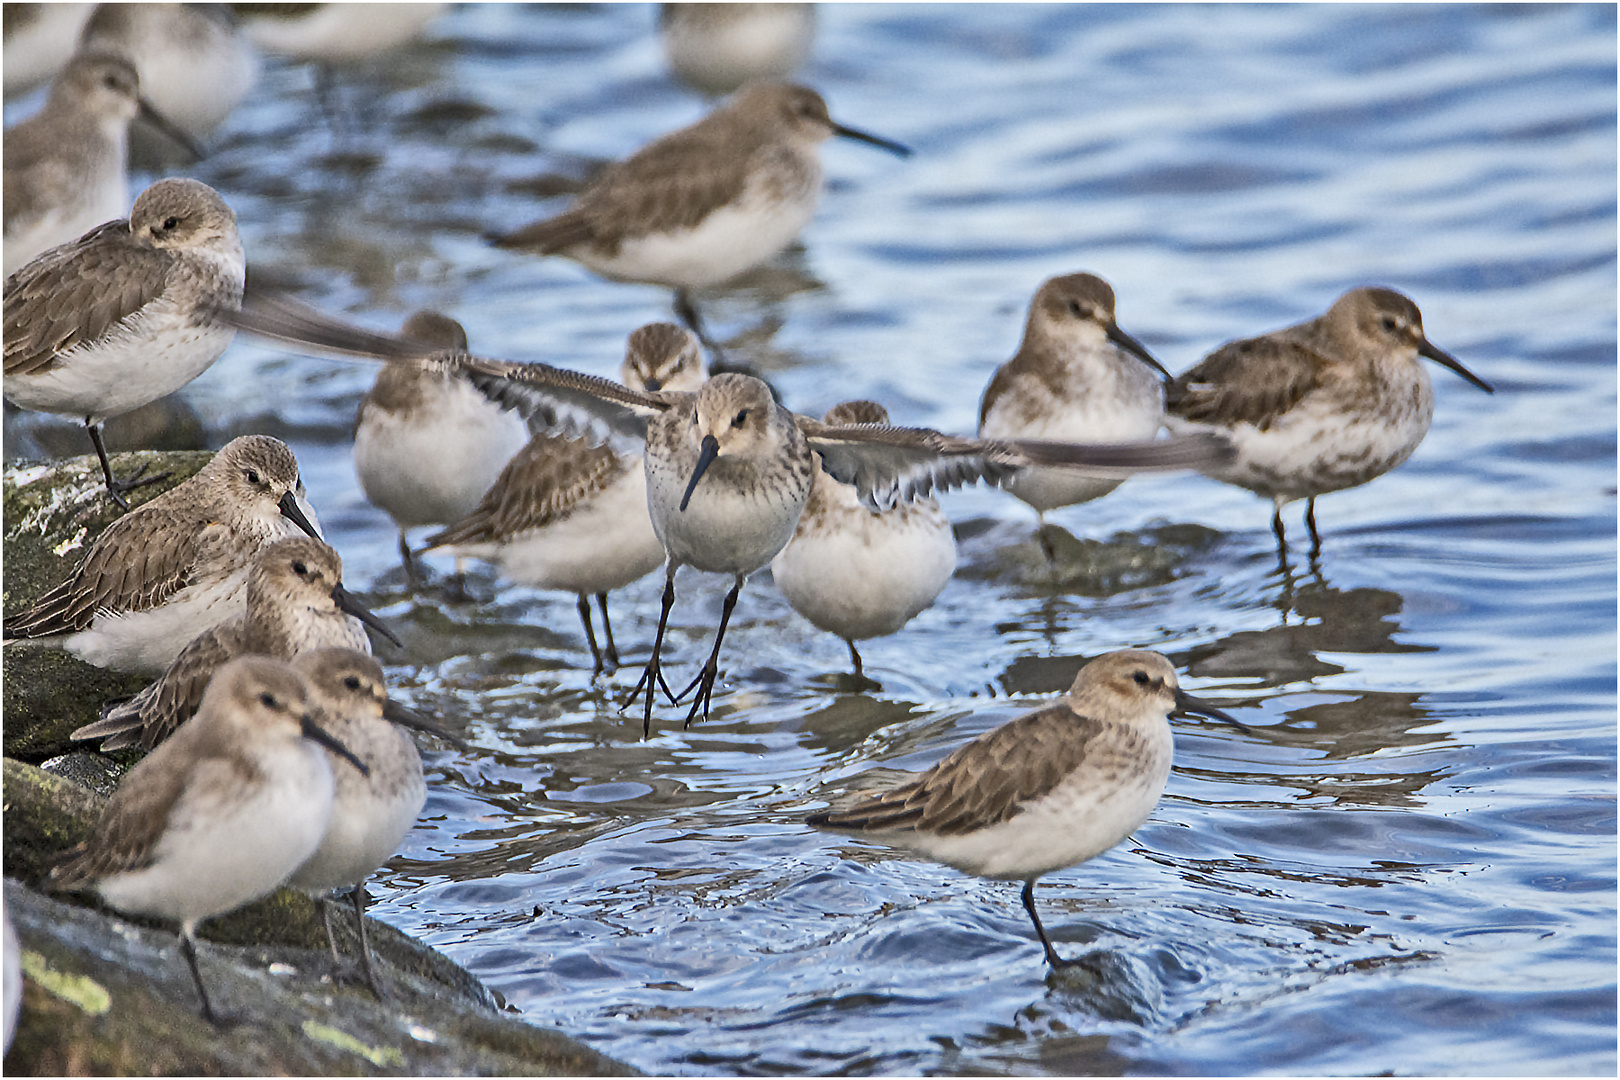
x=889 y=465
x=155 y=713
x=1252 y=381
x=984 y=783
x=553 y=399
x=542 y=483
x=139 y=562
x=49 y=310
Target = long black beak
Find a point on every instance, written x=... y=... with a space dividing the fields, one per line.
x=890 y=145
x=1186 y=703
x=707 y=452
x=406 y=717
x=346 y=603
x=1134 y=347
x=315 y=733
x=168 y=127
x=294 y=513
x=1446 y=360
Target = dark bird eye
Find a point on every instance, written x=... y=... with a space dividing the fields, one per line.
x=253 y=476
x=1076 y=310
x=268 y=700
x=1141 y=678
x=299 y=568
x=171 y=223
x=1389 y=323
x=352 y=682
x=740 y=419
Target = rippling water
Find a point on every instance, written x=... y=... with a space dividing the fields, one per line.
x=1409 y=864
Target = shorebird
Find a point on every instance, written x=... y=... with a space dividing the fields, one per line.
x=1076 y=376
x=176 y=566
x=67 y=166
x=860 y=573
x=295 y=602
x=1045 y=791
x=718 y=48
x=335 y=33
x=570 y=514
x=371 y=813
x=195 y=64
x=427 y=444
x=728 y=469
x=121 y=316
x=702 y=204
x=220 y=814
x=1322 y=406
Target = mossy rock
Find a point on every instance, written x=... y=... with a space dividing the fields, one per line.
x=109 y=994
x=52 y=514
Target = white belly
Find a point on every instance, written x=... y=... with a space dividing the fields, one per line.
x=370 y=814
x=1317 y=448
x=1122 y=410
x=431 y=466
x=860 y=575
x=227 y=845
x=724 y=529
x=1076 y=822
x=148 y=641
x=602 y=545
x=153 y=356
x=724 y=244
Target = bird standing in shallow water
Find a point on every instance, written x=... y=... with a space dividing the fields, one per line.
x=862 y=573
x=1048 y=790
x=728 y=469
x=1318 y=407
x=702 y=204
x=570 y=514
x=1078 y=377
x=427 y=444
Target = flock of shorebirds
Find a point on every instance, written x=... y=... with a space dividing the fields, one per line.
x=276 y=756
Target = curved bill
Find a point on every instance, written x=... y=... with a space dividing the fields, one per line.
x=890 y=145
x=315 y=733
x=169 y=129
x=1186 y=703
x=1134 y=347
x=406 y=717
x=288 y=504
x=707 y=452
x=1446 y=360
x=347 y=604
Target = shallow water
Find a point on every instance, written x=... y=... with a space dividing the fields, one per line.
x=1408 y=865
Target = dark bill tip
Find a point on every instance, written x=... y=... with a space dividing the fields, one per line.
x=406 y=717
x=315 y=733
x=1187 y=703
x=707 y=452
x=170 y=129
x=1134 y=347
x=288 y=504
x=898 y=149
x=1446 y=360
x=347 y=604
